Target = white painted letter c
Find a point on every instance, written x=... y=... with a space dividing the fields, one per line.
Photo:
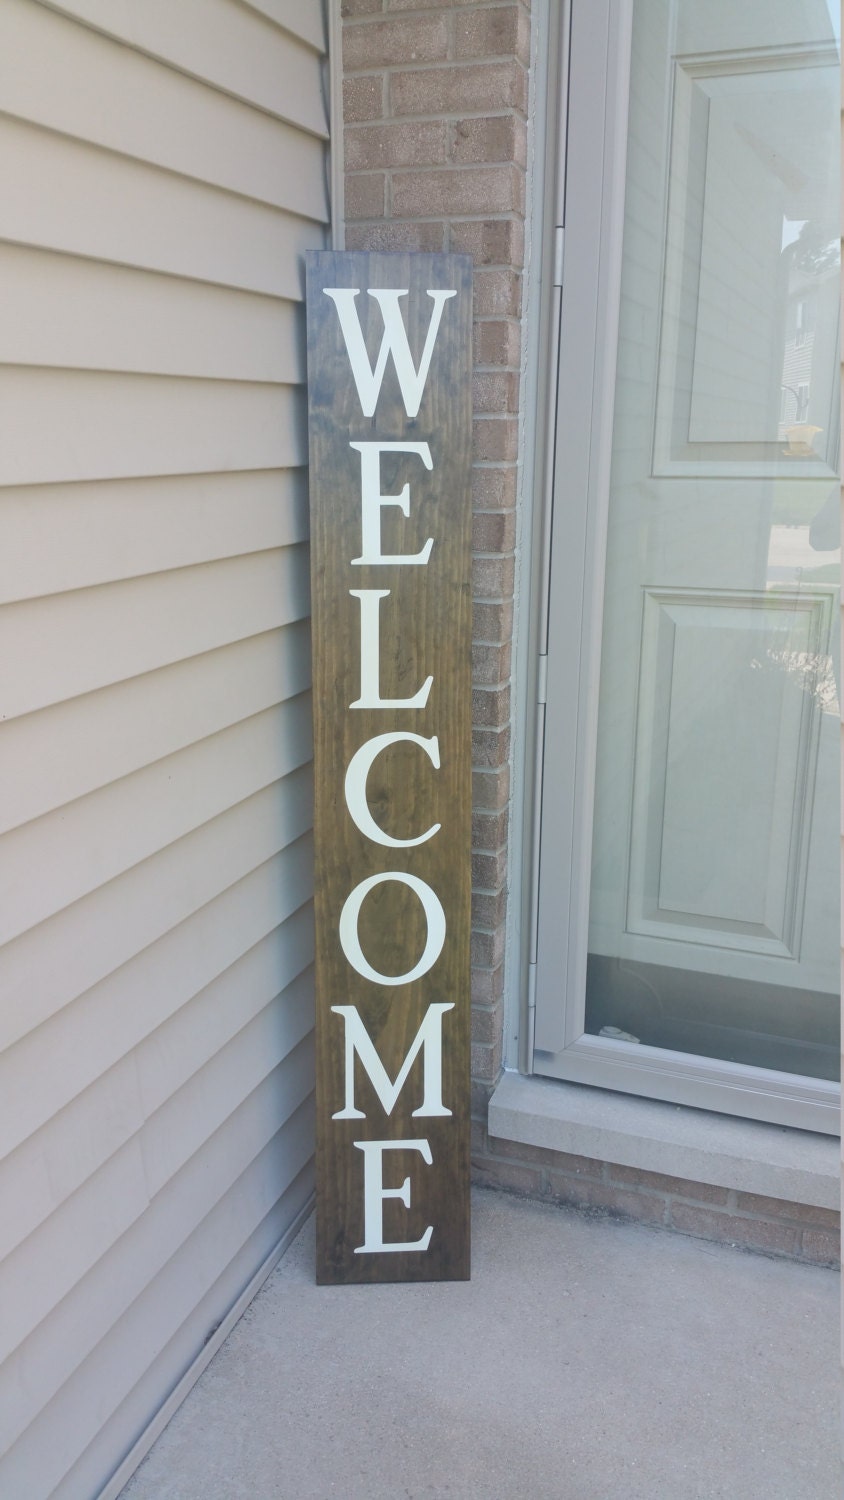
x=355 y=787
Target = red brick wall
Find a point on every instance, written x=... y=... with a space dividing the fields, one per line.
x=771 y=1226
x=435 y=142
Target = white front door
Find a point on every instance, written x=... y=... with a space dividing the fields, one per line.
x=713 y=904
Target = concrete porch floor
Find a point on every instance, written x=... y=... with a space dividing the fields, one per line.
x=586 y=1360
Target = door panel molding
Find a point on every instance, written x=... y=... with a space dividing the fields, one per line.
x=764 y=891
x=717 y=380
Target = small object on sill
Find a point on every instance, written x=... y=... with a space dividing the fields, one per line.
x=617 y=1035
x=801 y=440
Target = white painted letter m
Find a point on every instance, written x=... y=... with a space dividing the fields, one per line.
x=428 y=1040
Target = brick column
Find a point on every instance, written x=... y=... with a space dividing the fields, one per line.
x=435 y=108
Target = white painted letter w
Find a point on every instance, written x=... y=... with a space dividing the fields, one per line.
x=394 y=341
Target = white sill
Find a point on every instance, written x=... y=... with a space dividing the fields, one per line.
x=775 y=1161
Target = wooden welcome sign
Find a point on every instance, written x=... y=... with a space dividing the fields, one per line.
x=389 y=375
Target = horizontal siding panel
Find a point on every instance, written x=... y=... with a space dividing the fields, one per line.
x=54 y=539
x=47 y=1168
x=226 y=1191
x=110 y=208
x=231 y=46
x=91 y=1222
x=35 y=1279
x=42 y=972
x=273 y=981
x=108 y=734
x=57 y=648
x=47 y=865
x=170 y=1357
x=108 y=426
x=101 y=1018
x=305 y=21
x=278 y=1042
x=63 y=312
x=100 y=1023
x=73 y=80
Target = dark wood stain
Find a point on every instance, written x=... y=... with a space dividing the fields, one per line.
x=425 y=628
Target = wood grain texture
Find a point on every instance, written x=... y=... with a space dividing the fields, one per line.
x=425 y=629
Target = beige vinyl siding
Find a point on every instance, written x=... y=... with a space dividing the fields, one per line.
x=162 y=170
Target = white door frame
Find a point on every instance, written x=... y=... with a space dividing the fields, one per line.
x=570 y=650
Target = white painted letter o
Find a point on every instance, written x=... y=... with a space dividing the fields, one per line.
x=434 y=915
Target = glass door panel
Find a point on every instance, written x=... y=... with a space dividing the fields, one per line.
x=714 y=911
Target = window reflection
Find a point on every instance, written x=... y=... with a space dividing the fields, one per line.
x=714 y=894
x=811 y=272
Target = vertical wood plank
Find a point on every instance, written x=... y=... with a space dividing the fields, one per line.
x=424 y=630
